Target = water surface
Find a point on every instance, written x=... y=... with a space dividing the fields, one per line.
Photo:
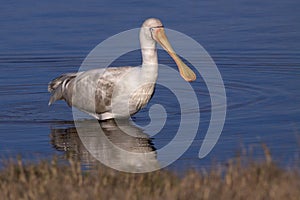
x=254 y=44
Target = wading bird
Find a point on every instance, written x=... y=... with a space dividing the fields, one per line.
x=118 y=92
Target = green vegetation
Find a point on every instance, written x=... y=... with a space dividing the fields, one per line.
x=49 y=180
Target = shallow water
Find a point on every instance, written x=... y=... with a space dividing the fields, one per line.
x=254 y=44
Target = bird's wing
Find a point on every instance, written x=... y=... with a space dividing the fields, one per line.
x=92 y=90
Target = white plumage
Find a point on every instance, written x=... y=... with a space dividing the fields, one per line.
x=118 y=92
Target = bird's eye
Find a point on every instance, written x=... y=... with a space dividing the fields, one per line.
x=151 y=29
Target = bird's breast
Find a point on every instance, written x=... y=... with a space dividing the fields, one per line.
x=141 y=96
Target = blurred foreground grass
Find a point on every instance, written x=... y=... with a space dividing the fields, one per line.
x=49 y=180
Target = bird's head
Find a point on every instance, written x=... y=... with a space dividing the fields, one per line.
x=153 y=29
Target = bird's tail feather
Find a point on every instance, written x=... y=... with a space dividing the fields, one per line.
x=55 y=87
x=56 y=95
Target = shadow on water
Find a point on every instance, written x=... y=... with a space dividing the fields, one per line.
x=119 y=145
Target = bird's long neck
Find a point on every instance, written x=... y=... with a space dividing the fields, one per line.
x=150 y=61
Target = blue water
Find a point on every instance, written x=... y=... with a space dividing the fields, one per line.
x=255 y=44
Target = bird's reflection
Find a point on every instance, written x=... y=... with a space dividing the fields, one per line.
x=119 y=145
